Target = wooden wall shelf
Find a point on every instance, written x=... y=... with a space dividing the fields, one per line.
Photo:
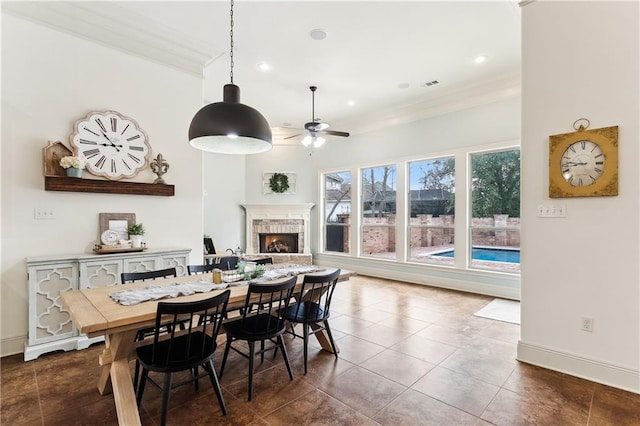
x=61 y=183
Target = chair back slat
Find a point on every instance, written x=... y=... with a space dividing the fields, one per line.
x=201 y=269
x=129 y=277
x=193 y=329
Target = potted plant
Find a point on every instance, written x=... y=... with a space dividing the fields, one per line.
x=136 y=231
x=73 y=165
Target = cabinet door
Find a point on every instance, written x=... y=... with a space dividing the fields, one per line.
x=48 y=320
x=141 y=264
x=100 y=273
x=178 y=260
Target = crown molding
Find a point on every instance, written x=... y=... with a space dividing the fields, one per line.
x=463 y=98
x=115 y=26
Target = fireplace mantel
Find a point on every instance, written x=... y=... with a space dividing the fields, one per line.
x=298 y=214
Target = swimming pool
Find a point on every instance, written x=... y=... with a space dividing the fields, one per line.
x=490 y=254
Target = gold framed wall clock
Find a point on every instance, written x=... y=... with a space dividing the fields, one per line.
x=111 y=145
x=584 y=163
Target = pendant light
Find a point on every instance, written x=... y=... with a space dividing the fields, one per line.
x=229 y=127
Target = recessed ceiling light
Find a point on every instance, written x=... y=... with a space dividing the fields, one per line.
x=480 y=59
x=403 y=85
x=263 y=66
x=318 y=34
x=351 y=103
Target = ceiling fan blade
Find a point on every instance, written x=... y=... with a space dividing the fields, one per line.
x=335 y=133
x=292 y=136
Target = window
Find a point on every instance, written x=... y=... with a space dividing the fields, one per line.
x=337 y=208
x=431 y=211
x=495 y=210
x=378 y=195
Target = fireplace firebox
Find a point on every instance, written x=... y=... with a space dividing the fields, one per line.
x=278 y=243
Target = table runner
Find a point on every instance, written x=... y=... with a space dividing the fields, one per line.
x=156 y=292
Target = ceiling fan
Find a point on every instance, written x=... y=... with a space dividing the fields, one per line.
x=316 y=128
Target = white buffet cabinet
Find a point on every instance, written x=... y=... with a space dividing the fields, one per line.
x=50 y=325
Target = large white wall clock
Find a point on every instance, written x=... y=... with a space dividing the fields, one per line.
x=112 y=145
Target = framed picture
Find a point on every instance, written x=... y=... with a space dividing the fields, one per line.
x=118 y=222
x=279 y=183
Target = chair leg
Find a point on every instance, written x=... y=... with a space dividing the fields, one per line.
x=226 y=353
x=140 y=390
x=195 y=376
x=285 y=355
x=136 y=374
x=216 y=386
x=262 y=351
x=252 y=354
x=166 y=392
x=333 y=343
x=305 y=336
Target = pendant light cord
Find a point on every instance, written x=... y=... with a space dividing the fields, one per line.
x=231 y=34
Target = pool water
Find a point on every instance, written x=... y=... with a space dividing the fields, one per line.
x=490 y=254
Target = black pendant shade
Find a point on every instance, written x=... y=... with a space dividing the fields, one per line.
x=229 y=127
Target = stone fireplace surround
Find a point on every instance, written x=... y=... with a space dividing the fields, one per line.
x=279 y=218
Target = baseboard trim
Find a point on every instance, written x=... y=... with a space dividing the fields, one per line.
x=12 y=345
x=575 y=365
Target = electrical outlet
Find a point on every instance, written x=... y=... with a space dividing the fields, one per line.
x=587 y=324
x=43 y=214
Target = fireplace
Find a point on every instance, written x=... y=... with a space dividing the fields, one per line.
x=279 y=243
x=289 y=223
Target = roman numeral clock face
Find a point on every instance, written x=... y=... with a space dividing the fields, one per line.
x=112 y=145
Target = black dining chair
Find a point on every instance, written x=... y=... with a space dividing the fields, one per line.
x=227 y=263
x=260 y=321
x=183 y=349
x=130 y=277
x=264 y=261
x=200 y=269
x=312 y=309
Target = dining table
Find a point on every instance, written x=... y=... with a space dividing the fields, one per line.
x=96 y=313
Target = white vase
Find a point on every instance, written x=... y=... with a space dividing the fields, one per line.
x=136 y=241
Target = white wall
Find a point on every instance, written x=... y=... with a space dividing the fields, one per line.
x=50 y=79
x=580 y=59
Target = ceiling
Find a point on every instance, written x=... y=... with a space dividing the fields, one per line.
x=379 y=55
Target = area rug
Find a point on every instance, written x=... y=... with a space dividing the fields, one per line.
x=501 y=310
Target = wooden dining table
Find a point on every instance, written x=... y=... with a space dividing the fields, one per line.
x=95 y=313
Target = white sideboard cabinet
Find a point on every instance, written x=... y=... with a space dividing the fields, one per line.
x=50 y=325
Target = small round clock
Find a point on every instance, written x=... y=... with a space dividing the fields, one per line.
x=112 y=145
x=582 y=163
x=109 y=237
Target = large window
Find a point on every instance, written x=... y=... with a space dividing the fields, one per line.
x=337 y=212
x=459 y=209
x=378 y=195
x=432 y=211
x=495 y=210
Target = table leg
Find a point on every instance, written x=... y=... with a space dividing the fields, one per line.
x=323 y=339
x=116 y=376
x=123 y=394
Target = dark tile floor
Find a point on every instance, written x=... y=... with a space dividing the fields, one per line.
x=410 y=355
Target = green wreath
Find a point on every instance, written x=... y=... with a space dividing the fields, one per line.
x=279 y=183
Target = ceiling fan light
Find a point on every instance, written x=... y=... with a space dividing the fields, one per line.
x=307 y=140
x=318 y=141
